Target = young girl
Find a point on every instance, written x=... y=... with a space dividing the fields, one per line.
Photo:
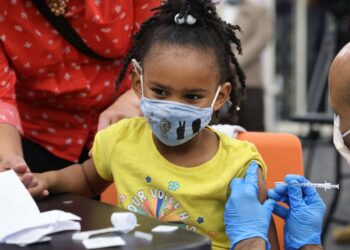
x=169 y=164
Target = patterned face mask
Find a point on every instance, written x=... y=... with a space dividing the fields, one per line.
x=171 y=122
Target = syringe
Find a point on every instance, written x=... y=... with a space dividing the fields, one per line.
x=326 y=185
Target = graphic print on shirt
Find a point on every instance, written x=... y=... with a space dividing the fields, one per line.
x=161 y=205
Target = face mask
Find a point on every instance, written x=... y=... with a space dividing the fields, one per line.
x=174 y=123
x=338 y=140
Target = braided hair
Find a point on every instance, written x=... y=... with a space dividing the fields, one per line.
x=209 y=32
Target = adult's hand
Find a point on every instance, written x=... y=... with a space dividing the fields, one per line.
x=18 y=164
x=244 y=216
x=303 y=218
x=127 y=105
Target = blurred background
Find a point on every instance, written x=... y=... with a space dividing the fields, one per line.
x=288 y=46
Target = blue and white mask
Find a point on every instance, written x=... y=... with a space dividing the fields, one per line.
x=171 y=122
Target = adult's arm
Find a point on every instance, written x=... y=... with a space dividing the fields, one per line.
x=11 y=155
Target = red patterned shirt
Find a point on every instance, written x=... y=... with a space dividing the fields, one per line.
x=52 y=93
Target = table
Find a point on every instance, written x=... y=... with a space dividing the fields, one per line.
x=96 y=215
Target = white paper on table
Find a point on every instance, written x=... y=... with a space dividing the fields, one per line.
x=102 y=242
x=14 y=197
x=164 y=229
x=21 y=221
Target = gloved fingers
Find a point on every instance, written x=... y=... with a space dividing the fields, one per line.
x=295 y=194
x=309 y=193
x=269 y=204
x=280 y=211
x=281 y=189
x=271 y=193
x=298 y=178
x=252 y=173
x=235 y=181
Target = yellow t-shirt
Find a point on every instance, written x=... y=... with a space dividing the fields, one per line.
x=150 y=185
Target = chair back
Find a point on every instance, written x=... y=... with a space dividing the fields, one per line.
x=109 y=196
x=282 y=154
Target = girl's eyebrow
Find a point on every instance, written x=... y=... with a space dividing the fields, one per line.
x=159 y=85
x=194 y=90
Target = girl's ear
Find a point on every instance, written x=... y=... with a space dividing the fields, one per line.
x=136 y=83
x=223 y=96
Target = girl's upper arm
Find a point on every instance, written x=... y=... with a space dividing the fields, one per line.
x=96 y=183
x=262 y=192
x=262 y=195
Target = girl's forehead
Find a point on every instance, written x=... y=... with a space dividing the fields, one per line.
x=163 y=52
x=182 y=63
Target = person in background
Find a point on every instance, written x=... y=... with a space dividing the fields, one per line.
x=339 y=99
x=257 y=32
x=53 y=98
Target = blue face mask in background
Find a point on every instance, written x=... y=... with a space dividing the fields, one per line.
x=174 y=123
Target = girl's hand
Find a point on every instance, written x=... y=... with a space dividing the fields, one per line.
x=40 y=189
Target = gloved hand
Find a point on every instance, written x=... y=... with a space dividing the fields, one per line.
x=303 y=218
x=244 y=216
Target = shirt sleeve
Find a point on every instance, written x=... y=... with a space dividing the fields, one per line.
x=255 y=156
x=8 y=108
x=100 y=156
x=105 y=144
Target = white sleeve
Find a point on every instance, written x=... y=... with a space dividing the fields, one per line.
x=339 y=141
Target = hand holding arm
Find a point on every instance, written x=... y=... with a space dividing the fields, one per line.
x=127 y=105
x=245 y=218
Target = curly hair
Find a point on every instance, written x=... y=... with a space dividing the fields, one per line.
x=209 y=32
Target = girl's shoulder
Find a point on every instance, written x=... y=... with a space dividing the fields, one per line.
x=124 y=128
x=229 y=141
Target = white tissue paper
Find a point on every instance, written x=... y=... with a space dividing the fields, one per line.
x=123 y=222
x=20 y=219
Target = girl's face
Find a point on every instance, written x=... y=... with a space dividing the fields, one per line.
x=183 y=75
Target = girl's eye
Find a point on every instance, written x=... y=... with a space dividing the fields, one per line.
x=158 y=91
x=193 y=97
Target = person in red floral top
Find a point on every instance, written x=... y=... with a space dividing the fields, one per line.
x=54 y=97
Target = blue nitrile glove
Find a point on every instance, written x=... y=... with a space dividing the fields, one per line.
x=244 y=216
x=303 y=218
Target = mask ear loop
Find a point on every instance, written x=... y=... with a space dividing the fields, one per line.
x=138 y=70
x=216 y=96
